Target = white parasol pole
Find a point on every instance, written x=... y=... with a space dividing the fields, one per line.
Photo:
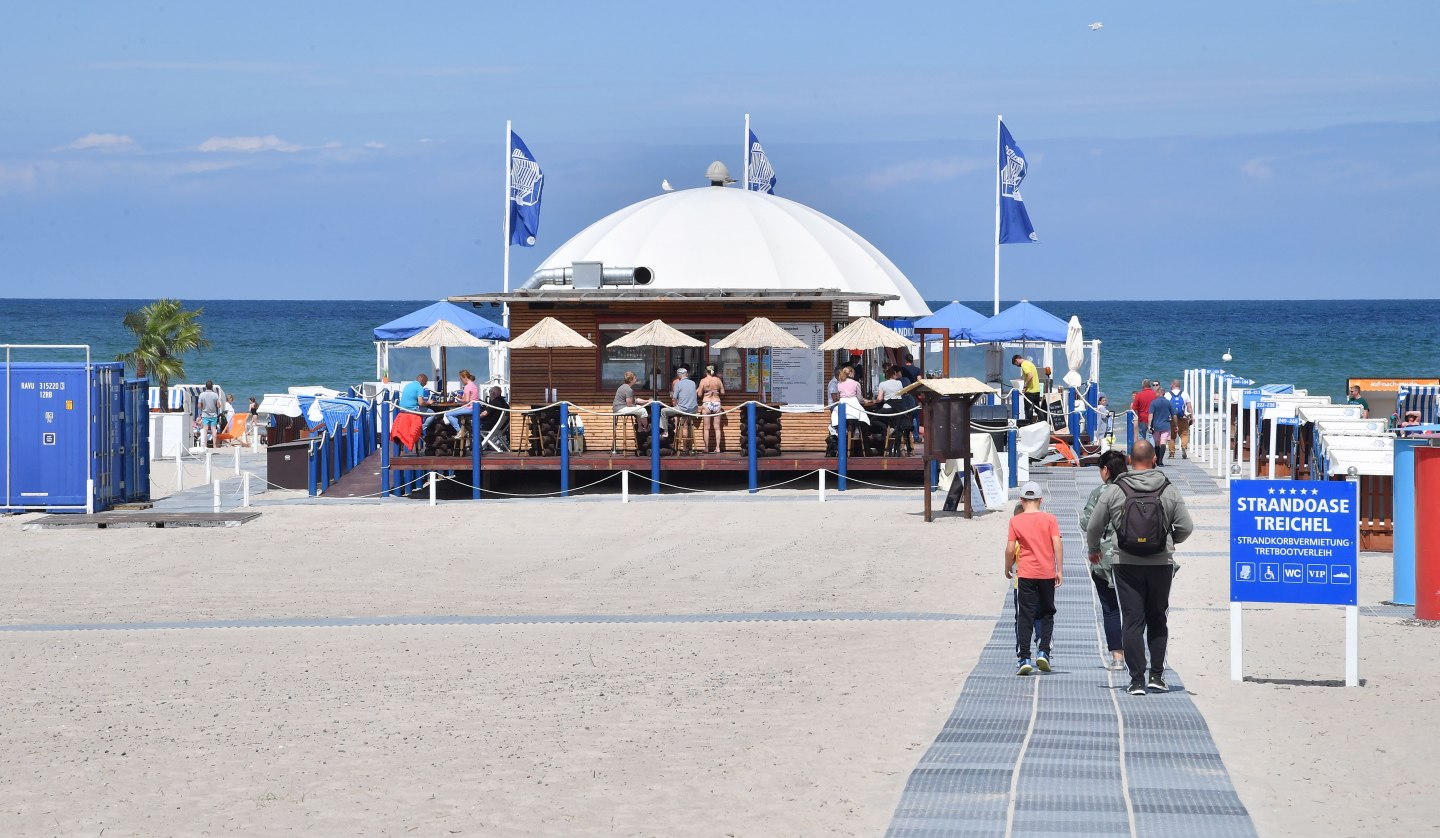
x=998 y=154
x=505 y=239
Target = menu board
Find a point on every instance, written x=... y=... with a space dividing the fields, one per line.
x=797 y=376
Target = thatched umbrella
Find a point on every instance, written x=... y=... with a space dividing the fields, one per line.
x=550 y=334
x=657 y=333
x=760 y=333
x=865 y=333
x=436 y=337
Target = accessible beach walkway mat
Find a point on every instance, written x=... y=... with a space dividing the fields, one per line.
x=1069 y=752
x=158 y=520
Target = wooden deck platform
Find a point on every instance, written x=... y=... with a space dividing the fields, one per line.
x=158 y=520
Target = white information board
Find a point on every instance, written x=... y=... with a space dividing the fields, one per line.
x=991 y=493
x=797 y=376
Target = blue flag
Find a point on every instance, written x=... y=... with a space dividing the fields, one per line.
x=526 y=182
x=1015 y=226
x=759 y=176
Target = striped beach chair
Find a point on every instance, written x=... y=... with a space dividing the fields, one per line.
x=1424 y=398
x=154 y=398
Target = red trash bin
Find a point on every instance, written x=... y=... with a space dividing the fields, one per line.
x=1427 y=533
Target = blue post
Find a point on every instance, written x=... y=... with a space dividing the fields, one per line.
x=1129 y=430
x=1012 y=441
x=934 y=475
x=1092 y=398
x=1015 y=405
x=475 y=447
x=654 y=447
x=750 y=444
x=385 y=450
x=311 y=464
x=564 y=449
x=1403 y=499
x=1073 y=420
x=842 y=447
x=326 y=446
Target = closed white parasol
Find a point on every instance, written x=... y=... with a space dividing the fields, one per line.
x=1074 y=352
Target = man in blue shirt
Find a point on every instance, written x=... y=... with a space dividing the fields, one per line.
x=1162 y=415
x=409 y=428
x=412 y=395
x=683 y=393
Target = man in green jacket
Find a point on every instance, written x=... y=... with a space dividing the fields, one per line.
x=1149 y=518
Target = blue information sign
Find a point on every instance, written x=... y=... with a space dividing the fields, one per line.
x=1294 y=541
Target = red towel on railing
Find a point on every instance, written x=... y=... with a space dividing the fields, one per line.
x=407 y=430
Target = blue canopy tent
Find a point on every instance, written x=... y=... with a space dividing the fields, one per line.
x=417 y=321
x=958 y=318
x=1023 y=321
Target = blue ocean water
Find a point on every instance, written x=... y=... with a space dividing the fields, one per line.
x=267 y=345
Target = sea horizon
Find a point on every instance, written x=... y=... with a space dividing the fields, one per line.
x=1313 y=344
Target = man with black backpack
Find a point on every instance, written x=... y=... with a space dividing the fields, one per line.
x=1149 y=518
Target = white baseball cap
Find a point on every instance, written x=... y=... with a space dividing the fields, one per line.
x=1031 y=491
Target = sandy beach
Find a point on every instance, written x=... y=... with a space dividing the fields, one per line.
x=736 y=726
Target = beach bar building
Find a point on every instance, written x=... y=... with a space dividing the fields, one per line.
x=705 y=261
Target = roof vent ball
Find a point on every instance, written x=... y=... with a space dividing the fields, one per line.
x=718 y=174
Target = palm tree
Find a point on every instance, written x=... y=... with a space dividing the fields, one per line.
x=164 y=331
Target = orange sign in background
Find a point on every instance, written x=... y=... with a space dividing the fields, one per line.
x=1388 y=385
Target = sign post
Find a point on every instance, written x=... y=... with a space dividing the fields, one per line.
x=1295 y=543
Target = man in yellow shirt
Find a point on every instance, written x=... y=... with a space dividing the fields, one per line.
x=1031 y=385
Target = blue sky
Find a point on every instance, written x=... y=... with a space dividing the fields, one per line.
x=329 y=150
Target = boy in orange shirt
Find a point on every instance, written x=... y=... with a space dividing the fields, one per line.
x=1033 y=553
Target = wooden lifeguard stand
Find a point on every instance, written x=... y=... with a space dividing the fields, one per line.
x=945 y=409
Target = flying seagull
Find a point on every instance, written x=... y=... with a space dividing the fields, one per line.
x=665 y=185
x=1096 y=26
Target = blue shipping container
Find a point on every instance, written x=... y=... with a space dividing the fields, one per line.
x=68 y=437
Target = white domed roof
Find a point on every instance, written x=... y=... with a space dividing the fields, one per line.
x=714 y=237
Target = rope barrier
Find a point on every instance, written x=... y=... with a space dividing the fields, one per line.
x=521 y=495
x=647 y=477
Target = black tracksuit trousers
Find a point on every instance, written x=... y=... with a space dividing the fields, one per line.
x=1144 y=593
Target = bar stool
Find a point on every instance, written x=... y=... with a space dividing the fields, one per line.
x=619 y=426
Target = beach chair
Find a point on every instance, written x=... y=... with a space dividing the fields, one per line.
x=1422 y=397
x=497 y=439
x=234 y=433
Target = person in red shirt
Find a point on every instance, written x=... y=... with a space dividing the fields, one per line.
x=1033 y=557
x=1141 y=406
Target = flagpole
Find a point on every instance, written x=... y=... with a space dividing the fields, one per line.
x=745 y=157
x=505 y=242
x=999 y=153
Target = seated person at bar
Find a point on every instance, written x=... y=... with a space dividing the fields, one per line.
x=626 y=403
x=892 y=385
x=409 y=427
x=471 y=393
x=687 y=404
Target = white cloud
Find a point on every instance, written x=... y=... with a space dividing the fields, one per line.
x=923 y=171
x=334 y=144
x=1257 y=169
x=201 y=66
x=453 y=71
x=102 y=142
x=374 y=144
x=269 y=142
